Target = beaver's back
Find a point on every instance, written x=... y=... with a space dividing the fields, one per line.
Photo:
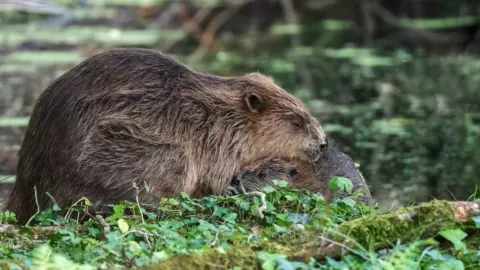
x=66 y=111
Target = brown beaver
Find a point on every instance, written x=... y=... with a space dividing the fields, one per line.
x=313 y=176
x=138 y=116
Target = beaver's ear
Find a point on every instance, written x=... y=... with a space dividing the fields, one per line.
x=254 y=102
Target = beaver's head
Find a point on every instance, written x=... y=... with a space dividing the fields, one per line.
x=304 y=175
x=273 y=122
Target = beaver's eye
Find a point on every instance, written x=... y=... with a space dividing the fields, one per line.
x=293 y=173
x=297 y=124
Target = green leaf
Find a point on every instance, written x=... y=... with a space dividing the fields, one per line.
x=452 y=265
x=348 y=202
x=290 y=198
x=342 y=183
x=280 y=183
x=298 y=218
x=335 y=264
x=147 y=187
x=87 y=201
x=435 y=254
x=269 y=259
x=268 y=189
x=231 y=217
x=221 y=250
x=285 y=29
x=122 y=225
x=219 y=211
x=477 y=221
x=279 y=229
x=243 y=204
x=7 y=216
x=455 y=236
x=159 y=256
x=118 y=211
x=94 y=232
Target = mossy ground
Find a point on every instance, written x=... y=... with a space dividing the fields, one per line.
x=299 y=230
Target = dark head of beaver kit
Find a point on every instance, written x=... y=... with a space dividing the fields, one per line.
x=306 y=175
x=136 y=116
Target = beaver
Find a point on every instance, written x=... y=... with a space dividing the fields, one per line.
x=313 y=176
x=130 y=117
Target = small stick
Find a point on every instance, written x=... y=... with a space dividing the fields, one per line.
x=105 y=225
x=263 y=203
x=38 y=207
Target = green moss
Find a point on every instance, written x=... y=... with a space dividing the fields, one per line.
x=243 y=256
x=11 y=264
x=377 y=231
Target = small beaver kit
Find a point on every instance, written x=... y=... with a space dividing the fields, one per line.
x=313 y=176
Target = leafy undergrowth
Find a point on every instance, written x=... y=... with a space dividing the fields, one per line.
x=130 y=238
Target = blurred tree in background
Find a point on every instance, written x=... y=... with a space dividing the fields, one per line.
x=395 y=83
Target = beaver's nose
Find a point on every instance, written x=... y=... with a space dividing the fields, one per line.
x=323 y=145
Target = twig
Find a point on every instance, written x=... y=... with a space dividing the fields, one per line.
x=37 y=7
x=191 y=25
x=319 y=5
x=166 y=16
x=216 y=238
x=212 y=28
x=70 y=210
x=451 y=194
x=105 y=225
x=37 y=204
x=367 y=21
x=145 y=234
x=138 y=203
x=16 y=229
x=263 y=203
x=391 y=19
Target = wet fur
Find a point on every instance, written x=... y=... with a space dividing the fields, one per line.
x=313 y=176
x=138 y=116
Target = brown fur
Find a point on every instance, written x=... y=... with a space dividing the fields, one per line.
x=137 y=116
x=304 y=175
